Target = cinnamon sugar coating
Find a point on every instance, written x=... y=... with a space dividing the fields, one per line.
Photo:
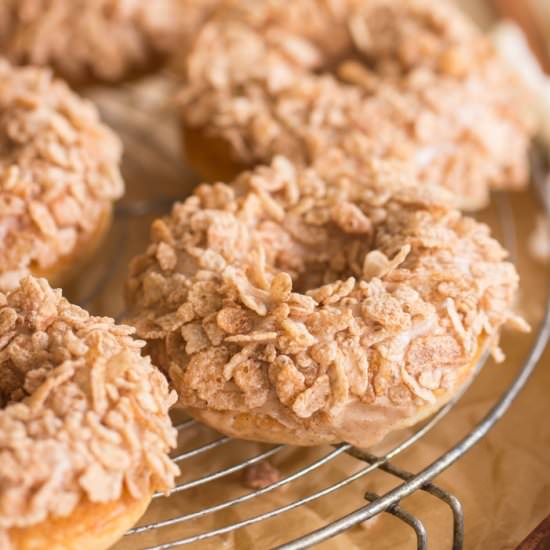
x=409 y=79
x=83 y=416
x=106 y=40
x=59 y=172
x=336 y=309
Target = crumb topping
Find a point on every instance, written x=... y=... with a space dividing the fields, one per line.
x=59 y=171
x=292 y=294
x=103 y=39
x=409 y=80
x=82 y=413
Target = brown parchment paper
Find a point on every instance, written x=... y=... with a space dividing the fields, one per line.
x=503 y=483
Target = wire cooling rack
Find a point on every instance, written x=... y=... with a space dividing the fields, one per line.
x=177 y=528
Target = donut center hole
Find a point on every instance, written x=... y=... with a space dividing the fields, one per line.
x=344 y=47
x=355 y=68
x=317 y=274
x=335 y=259
x=350 y=66
x=381 y=46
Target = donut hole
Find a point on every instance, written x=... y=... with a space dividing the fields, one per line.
x=336 y=255
x=26 y=368
x=385 y=42
x=381 y=43
x=318 y=273
x=333 y=60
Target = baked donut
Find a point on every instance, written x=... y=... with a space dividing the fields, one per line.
x=97 y=40
x=411 y=80
x=59 y=175
x=84 y=425
x=295 y=309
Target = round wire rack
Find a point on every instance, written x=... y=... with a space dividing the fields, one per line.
x=167 y=525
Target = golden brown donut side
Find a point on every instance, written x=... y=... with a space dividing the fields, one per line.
x=91 y=526
x=294 y=307
x=67 y=268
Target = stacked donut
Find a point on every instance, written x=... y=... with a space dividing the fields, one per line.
x=333 y=291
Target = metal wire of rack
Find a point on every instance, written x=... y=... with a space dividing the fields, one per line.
x=373 y=503
x=391 y=501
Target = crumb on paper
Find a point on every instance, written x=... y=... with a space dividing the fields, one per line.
x=261 y=475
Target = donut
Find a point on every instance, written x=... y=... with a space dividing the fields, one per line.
x=408 y=80
x=97 y=40
x=84 y=425
x=59 y=175
x=292 y=308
